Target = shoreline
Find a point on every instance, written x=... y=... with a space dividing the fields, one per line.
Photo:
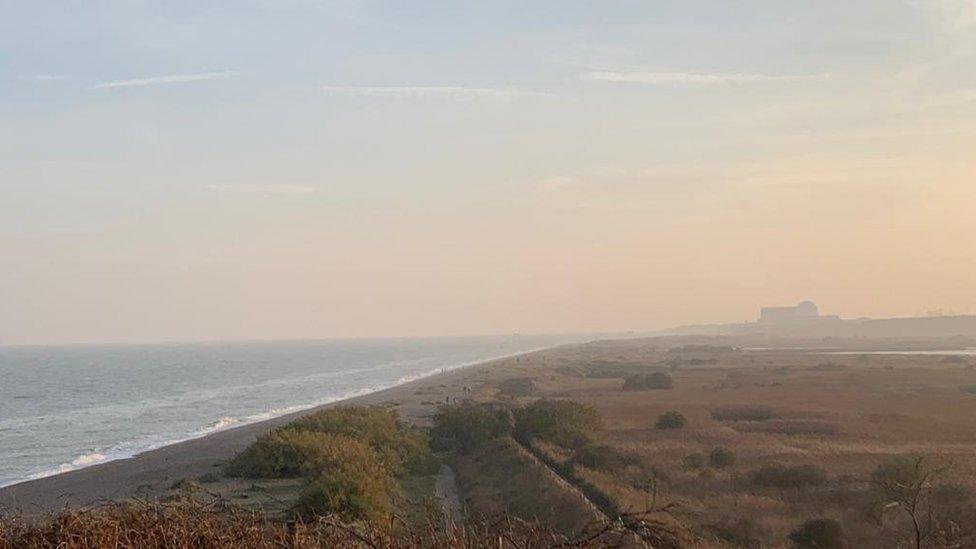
x=215 y=426
x=150 y=473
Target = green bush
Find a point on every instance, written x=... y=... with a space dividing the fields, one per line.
x=349 y=456
x=820 y=533
x=401 y=447
x=466 y=427
x=671 y=420
x=345 y=475
x=604 y=458
x=348 y=481
x=285 y=454
x=720 y=458
x=563 y=422
x=777 y=475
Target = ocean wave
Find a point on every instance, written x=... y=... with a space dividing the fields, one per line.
x=80 y=462
x=218 y=425
x=130 y=449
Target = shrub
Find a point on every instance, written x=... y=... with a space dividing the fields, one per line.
x=352 y=487
x=787 y=476
x=720 y=457
x=401 y=447
x=657 y=380
x=347 y=476
x=693 y=461
x=466 y=427
x=561 y=422
x=744 y=413
x=971 y=389
x=517 y=387
x=819 y=533
x=284 y=454
x=604 y=458
x=671 y=420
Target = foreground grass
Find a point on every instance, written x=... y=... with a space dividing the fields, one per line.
x=189 y=525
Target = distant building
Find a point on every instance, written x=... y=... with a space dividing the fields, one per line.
x=803 y=313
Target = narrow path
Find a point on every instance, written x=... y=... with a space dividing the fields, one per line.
x=445 y=490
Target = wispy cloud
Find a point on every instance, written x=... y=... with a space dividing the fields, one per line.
x=691 y=78
x=43 y=77
x=168 y=79
x=461 y=92
x=269 y=189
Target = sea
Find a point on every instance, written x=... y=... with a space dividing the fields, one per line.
x=67 y=407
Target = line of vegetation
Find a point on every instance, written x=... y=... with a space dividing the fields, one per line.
x=744 y=413
x=350 y=457
x=644 y=382
x=191 y=525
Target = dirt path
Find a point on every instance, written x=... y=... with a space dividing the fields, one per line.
x=445 y=489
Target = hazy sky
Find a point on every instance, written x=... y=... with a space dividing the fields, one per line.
x=276 y=169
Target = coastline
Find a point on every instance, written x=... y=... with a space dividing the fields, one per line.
x=150 y=474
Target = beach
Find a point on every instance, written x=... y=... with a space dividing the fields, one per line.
x=151 y=474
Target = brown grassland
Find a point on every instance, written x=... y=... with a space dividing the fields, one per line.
x=759 y=439
x=842 y=414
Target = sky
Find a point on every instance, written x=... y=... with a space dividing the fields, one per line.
x=265 y=169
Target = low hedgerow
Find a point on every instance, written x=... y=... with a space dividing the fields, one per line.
x=744 y=413
x=643 y=382
x=791 y=427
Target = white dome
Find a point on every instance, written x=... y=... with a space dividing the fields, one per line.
x=807 y=308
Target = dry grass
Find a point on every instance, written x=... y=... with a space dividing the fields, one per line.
x=188 y=525
x=842 y=413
